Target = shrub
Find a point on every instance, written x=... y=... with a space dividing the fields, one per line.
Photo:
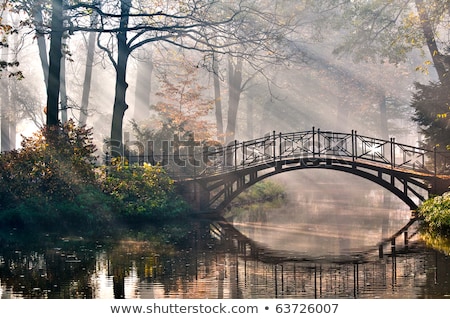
x=436 y=213
x=52 y=183
x=142 y=192
x=265 y=191
x=49 y=183
x=53 y=164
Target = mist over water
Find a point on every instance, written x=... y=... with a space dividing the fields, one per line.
x=323 y=242
x=327 y=214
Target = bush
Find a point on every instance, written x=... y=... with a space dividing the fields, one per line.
x=142 y=192
x=53 y=183
x=264 y=191
x=54 y=164
x=436 y=214
x=50 y=183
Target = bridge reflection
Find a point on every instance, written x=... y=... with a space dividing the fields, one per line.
x=214 y=260
x=287 y=275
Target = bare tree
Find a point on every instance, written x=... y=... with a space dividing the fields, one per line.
x=244 y=30
x=206 y=26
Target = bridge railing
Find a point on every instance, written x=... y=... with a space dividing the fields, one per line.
x=317 y=143
x=194 y=160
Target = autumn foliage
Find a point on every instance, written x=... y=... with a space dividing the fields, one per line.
x=53 y=182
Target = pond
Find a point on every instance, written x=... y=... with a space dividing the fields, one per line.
x=316 y=245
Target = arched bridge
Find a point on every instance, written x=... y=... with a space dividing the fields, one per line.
x=411 y=173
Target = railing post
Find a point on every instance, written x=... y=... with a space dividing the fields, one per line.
x=235 y=154
x=353 y=145
x=318 y=141
x=313 y=142
x=356 y=144
x=392 y=152
x=274 y=146
x=243 y=154
x=279 y=141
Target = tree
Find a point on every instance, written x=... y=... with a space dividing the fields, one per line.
x=55 y=55
x=267 y=41
x=390 y=31
x=205 y=26
x=7 y=29
x=182 y=107
x=211 y=27
x=84 y=109
x=432 y=112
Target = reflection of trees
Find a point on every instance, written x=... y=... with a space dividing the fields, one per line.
x=196 y=256
x=53 y=273
x=213 y=260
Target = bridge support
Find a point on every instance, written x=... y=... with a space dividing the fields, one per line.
x=195 y=195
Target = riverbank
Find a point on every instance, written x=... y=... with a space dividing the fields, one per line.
x=53 y=184
x=435 y=213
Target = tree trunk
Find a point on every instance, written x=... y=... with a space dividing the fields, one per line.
x=40 y=39
x=87 y=79
x=251 y=101
x=5 y=138
x=120 y=105
x=234 y=95
x=217 y=100
x=62 y=88
x=4 y=105
x=440 y=61
x=55 y=63
x=5 y=116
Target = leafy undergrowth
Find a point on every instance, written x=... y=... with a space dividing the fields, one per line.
x=435 y=213
x=52 y=183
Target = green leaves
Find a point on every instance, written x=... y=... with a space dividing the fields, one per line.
x=436 y=214
x=142 y=192
x=431 y=104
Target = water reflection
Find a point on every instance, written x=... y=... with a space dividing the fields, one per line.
x=335 y=240
x=216 y=260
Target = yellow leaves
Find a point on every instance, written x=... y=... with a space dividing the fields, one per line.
x=424 y=67
x=6 y=28
x=411 y=20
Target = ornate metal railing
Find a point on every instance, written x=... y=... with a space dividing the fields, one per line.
x=188 y=159
x=324 y=144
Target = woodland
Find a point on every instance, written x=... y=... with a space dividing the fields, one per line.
x=110 y=72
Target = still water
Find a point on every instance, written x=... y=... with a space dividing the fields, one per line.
x=323 y=243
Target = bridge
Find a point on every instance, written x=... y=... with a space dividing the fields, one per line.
x=410 y=172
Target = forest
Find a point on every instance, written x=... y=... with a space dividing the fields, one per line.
x=121 y=75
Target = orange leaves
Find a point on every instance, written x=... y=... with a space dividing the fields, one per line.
x=183 y=106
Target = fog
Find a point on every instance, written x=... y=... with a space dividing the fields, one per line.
x=326 y=92
x=320 y=90
x=326 y=214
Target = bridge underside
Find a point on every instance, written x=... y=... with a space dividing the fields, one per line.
x=215 y=192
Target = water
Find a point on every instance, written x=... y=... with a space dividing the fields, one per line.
x=321 y=244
